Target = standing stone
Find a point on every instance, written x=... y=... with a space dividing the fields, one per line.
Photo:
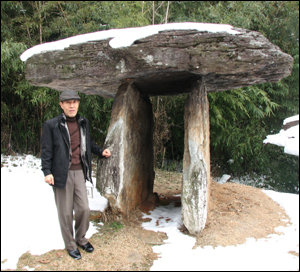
x=126 y=178
x=196 y=161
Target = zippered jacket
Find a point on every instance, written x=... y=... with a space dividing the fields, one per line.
x=57 y=153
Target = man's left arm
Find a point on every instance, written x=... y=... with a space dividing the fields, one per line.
x=97 y=150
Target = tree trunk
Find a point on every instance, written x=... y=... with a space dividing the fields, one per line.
x=40 y=17
x=167 y=13
x=153 y=12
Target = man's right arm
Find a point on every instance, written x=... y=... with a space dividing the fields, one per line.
x=47 y=153
x=49 y=179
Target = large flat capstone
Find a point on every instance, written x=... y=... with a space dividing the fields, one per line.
x=163 y=64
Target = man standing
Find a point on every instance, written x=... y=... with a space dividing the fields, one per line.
x=66 y=163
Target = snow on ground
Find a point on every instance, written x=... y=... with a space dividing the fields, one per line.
x=29 y=219
x=267 y=254
x=288 y=138
x=28 y=212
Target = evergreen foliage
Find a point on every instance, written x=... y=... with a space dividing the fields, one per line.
x=240 y=119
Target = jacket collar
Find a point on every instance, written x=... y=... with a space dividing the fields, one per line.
x=63 y=118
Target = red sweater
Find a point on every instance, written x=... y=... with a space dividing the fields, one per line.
x=75 y=143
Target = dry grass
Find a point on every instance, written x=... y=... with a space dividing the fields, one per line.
x=236 y=212
x=117 y=247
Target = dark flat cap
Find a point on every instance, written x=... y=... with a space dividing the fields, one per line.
x=69 y=95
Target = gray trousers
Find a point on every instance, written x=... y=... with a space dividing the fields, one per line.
x=74 y=196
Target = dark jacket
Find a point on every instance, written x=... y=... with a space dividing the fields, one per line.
x=56 y=149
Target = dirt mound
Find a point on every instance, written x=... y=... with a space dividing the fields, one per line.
x=235 y=211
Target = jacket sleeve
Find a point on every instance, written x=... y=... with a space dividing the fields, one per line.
x=97 y=150
x=47 y=149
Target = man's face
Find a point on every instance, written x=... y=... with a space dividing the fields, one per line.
x=70 y=107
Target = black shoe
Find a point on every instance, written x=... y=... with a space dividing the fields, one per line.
x=87 y=247
x=75 y=254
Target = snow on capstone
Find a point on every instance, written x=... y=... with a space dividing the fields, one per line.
x=125 y=36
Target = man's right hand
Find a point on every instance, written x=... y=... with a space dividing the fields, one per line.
x=49 y=179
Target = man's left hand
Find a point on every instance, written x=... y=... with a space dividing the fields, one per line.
x=106 y=153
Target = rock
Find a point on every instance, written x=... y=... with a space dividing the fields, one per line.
x=290 y=124
x=224 y=179
x=153 y=198
x=196 y=160
x=126 y=178
x=95 y=215
x=163 y=64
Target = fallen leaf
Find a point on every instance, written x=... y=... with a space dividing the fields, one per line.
x=44 y=261
x=59 y=254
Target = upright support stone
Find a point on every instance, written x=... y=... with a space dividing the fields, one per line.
x=126 y=178
x=196 y=161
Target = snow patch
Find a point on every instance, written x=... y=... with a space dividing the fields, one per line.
x=124 y=37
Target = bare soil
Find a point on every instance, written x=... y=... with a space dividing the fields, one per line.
x=235 y=213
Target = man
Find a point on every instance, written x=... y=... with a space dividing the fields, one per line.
x=66 y=163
